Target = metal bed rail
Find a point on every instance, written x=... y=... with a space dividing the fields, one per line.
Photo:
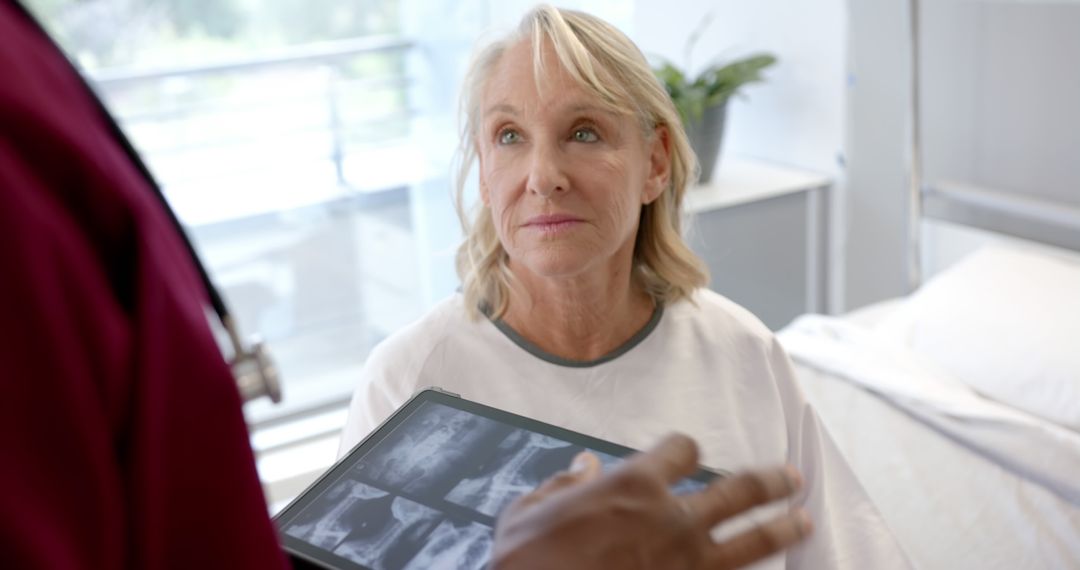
x=1026 y=217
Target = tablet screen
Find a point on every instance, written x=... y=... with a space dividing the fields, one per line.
x=424 y=490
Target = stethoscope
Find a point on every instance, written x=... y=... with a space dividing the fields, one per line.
x=255 y=373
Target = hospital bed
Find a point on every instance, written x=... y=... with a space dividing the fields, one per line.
x=961 y=416
x=958 y=406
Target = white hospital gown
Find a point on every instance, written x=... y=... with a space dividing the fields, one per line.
x=706 y=368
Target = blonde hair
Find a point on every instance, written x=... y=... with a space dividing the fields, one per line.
x=607 y=64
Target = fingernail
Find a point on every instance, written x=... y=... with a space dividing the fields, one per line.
x=795 y=480
x=579 y=464
x=803 y=520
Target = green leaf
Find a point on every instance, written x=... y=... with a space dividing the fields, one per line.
x=713 y=86
x=724 y=80
x=671 y=77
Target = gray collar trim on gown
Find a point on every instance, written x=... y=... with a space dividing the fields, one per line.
x=540 y=353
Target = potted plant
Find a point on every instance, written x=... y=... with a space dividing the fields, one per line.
x=702 y=100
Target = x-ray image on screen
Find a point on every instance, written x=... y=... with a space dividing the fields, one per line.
x=427 y=493
x=682 y=487
x=687 y=486
x=424 y=456
x=517 y=466
x=457 y=546
x=367 y=525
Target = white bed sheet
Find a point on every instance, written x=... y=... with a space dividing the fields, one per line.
x=962 y=481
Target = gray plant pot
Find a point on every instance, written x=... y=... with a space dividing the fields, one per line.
x=707 y=138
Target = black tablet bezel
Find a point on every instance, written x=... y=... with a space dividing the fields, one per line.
x=305 y=551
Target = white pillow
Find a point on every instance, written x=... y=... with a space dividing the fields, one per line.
x=1005 y=321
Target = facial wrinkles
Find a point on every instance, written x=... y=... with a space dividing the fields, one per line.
x=581 y=168
x=596 y=174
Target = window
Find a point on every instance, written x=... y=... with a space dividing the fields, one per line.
x=287 y=137
x=306 y=145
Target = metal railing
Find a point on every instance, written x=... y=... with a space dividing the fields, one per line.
x=1022 y=216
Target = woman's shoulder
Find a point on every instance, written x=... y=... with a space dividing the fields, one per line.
x=414 y=342
x=719 y=316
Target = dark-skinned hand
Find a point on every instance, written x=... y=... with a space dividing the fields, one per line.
x=628 y=518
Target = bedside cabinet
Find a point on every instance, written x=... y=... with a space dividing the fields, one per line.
x=762 y=230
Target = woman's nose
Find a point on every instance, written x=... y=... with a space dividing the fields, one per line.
x=547 y=175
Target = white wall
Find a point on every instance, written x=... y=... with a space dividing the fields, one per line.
x=797 y=117
x=1001 y=107
x=1002 y=99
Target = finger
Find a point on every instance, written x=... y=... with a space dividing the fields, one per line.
x=584 y=467
x=675 y=457
x=761 y=542
x=587 y=465
x=730 y=496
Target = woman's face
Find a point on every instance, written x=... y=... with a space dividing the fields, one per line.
x=565 y=179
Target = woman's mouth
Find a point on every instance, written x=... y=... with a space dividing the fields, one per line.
x=552 y=223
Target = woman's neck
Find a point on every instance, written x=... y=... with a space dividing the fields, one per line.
x=579 y=318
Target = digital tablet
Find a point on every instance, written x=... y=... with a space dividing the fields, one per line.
x=424 y=489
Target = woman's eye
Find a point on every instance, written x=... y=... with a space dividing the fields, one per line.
x=509 y=136
x=585 y=135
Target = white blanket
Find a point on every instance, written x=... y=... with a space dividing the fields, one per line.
x=963 y=482
x=1034 y=449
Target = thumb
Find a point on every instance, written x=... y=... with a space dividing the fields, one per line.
x=586 y=466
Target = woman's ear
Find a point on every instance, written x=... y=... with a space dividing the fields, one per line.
x=659 y=177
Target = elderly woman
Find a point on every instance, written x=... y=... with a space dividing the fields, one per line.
x=580 y=303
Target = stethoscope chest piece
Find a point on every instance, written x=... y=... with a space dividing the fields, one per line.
x=256 y=374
